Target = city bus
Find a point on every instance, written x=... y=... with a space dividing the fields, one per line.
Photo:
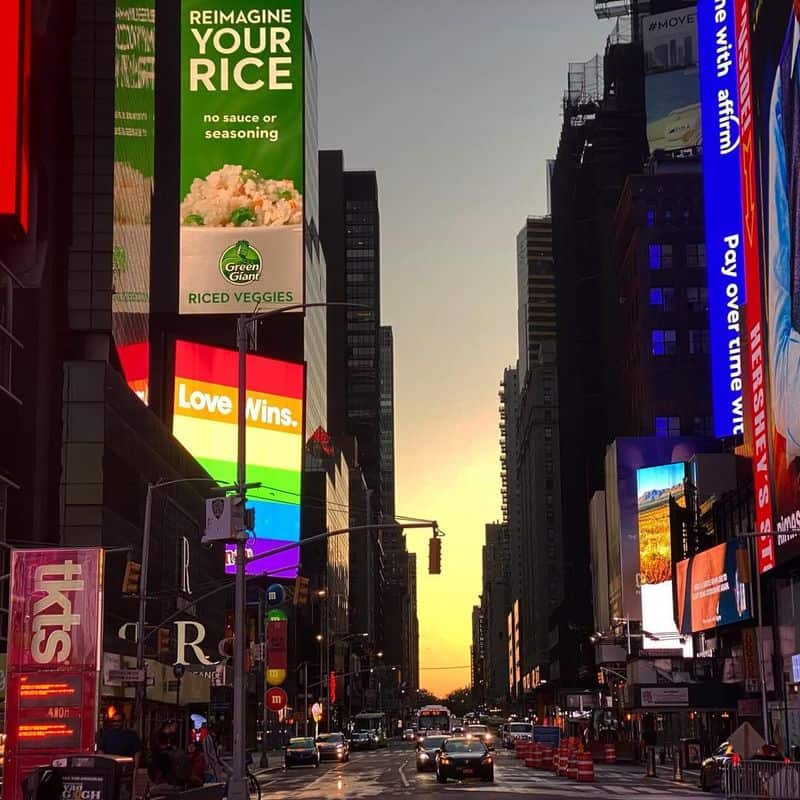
x=374 y=722
x=433 y=718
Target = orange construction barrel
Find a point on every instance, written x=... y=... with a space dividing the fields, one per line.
x=530 y=759
x=520 y=749
x=572 y=765
x=563 y=761
x=610 y=754
x=585 y=766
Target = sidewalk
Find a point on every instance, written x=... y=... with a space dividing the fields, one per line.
x=664 y=773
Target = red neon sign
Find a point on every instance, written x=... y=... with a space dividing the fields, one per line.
x=15 y=61
x=53 y=658
x=753 y=315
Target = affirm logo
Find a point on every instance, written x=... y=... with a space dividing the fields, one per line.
x=240 y=263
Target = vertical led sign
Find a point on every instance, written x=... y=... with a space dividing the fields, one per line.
x=242 y=155
x=722 y=180
x=204 y=420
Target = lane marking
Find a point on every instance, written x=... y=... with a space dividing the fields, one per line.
x=403 y=778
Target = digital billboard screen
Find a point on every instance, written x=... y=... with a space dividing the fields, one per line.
x=242 y=155
x=672 y=91
x=767 y=36
x=656 y=488
x=722 y=180
x=204 y=421
x=134 y=119
x=710 y=589
x=623 y=458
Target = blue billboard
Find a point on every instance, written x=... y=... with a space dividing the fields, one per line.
x=722 y=182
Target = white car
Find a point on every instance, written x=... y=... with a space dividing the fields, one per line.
x=514 y=732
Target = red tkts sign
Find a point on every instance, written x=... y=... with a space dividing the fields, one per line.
x=54 y=646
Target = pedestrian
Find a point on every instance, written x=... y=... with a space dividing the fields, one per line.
x=198 y=762
x=216 y=771
x=117 y=740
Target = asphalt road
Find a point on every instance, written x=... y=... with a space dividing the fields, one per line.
x=391 y=774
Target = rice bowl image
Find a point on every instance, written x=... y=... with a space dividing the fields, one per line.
x=241 y=242
x=235 y=197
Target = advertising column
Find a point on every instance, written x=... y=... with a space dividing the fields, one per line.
x=242 y=155
x=54 y=646
x=722 y=180
x=769 y=97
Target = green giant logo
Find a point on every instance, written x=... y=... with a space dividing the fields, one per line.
x=240 y=263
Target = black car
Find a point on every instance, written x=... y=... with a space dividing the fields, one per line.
x=427 y=750
x=362 y=740
x=333 y=746
x=461 y=757
x=302 y=750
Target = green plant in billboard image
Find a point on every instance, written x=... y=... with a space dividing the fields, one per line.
x=240 y=263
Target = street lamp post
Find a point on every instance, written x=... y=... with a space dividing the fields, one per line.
x=141 y=686
x=237 y=788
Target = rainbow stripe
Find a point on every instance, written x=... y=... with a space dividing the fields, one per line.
x=204 y=421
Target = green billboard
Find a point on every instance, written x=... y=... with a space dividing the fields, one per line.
x=242 y=155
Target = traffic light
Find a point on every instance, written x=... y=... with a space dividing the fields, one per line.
x=162 y=641
x=435 y=556
x=300 y=591
x=130 y=581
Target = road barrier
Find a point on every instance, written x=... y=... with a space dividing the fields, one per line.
x=610 y=754
x=546 y=761
x=530 y=759
x=521 y=749
x=585 y=768
x=556 y=760
x=572 y=765
x=752 y=780
x=563 y=761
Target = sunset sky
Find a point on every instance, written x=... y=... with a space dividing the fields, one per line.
x=457 y=105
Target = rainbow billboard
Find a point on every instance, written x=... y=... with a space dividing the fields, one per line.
x=204 y=421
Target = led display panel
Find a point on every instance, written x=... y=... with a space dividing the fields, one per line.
x=204 y=421
x=657 y=488
x=767 y=36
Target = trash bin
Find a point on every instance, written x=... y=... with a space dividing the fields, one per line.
x=691 y=756
x=43 y=783
x=94 y=777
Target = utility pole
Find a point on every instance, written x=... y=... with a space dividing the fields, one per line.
x=141 y=687
x=237 y=788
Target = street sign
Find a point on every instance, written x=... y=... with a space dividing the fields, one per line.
x=275 y=699
x=276 y=595
x=127 y=675
x=258 y=651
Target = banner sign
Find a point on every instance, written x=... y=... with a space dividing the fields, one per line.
x=664 y=696
x=204 y=421
x=672 y=93
x=767 y=38
x=710 y=589
x=54 y=652
x=242 y=155
x=722 y=180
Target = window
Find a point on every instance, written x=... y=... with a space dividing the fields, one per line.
x=548 y=432
x=697 y=297
x=663 y=298
x=651 y=217
x=665 y=342
x=660 y=256
x=703 y=426
x=698 y=342
x=668 y=426
x=696 y=256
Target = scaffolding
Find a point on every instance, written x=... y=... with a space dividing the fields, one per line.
x=584 y=88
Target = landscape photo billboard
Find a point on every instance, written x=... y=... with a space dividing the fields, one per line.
x=722 y=180
x=241 y=155
x=623 y=458
x=656 y=488
x=711 y=590
x=672 y=91
x=769 y=97
x=134 y=157
x=205 y=422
